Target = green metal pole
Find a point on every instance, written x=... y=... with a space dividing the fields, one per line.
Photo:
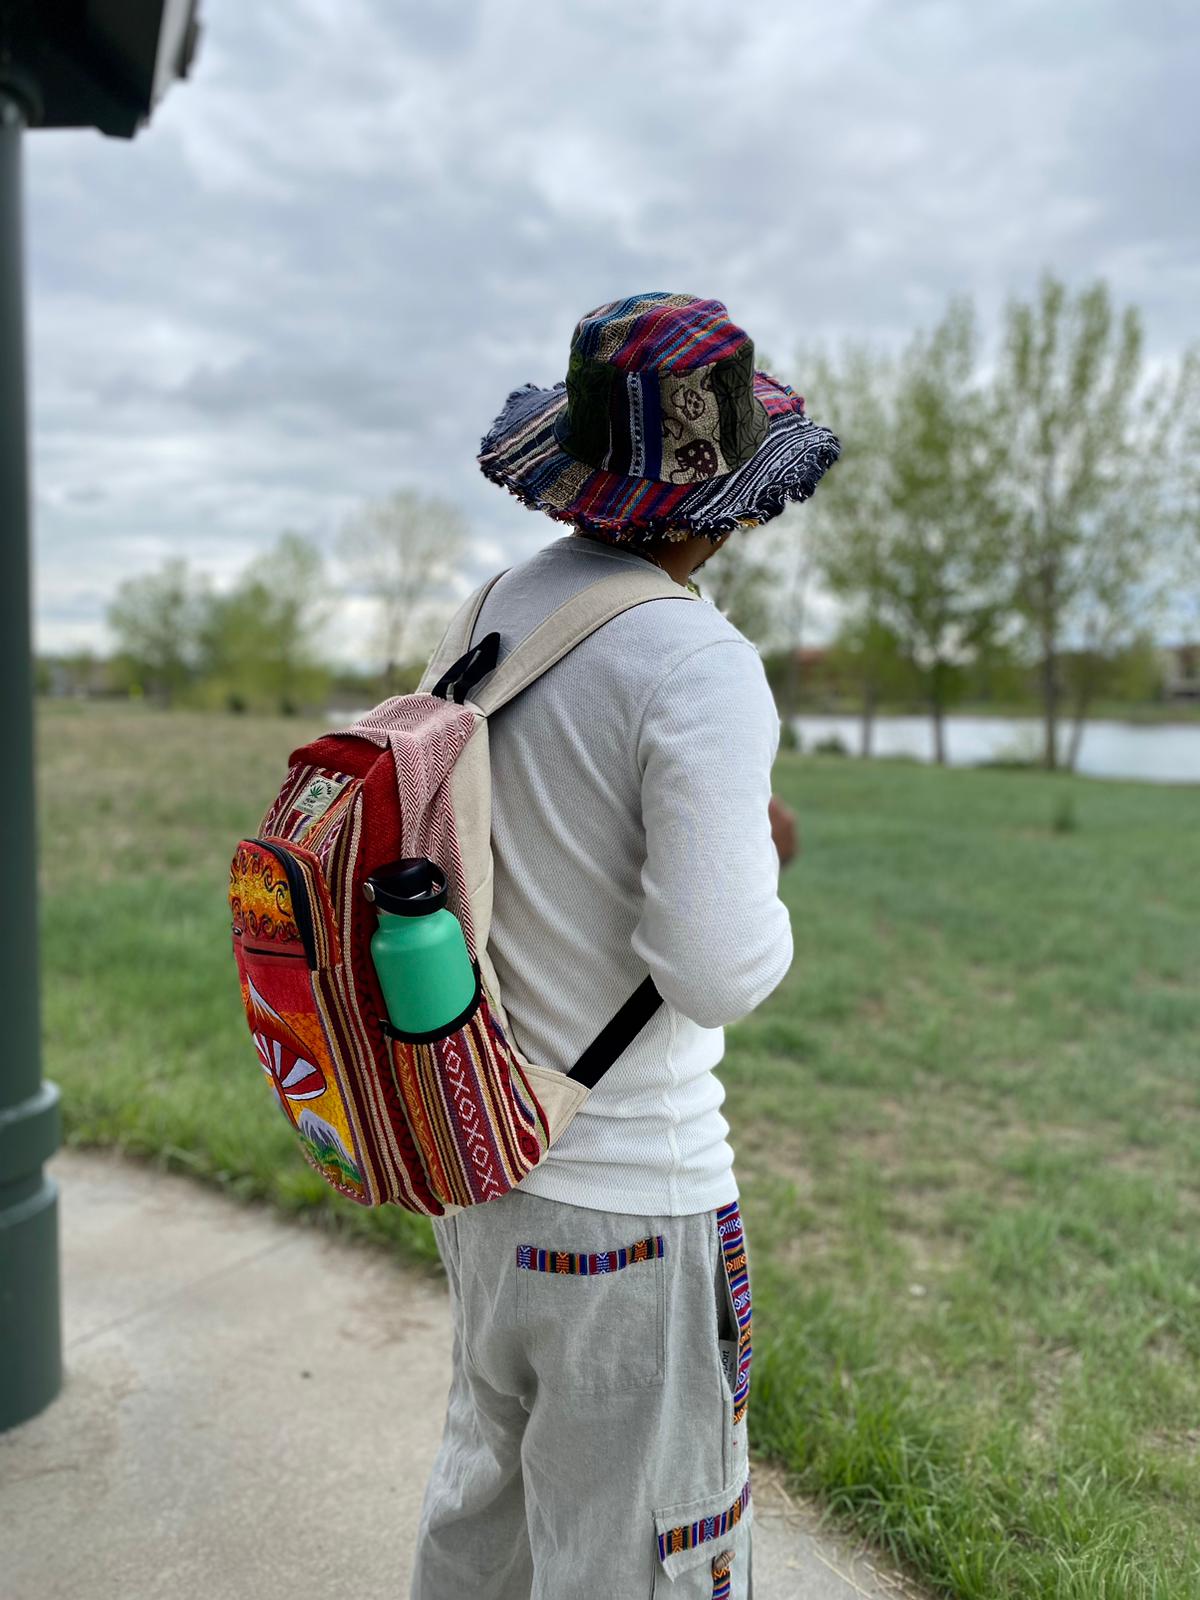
x=30 y=1334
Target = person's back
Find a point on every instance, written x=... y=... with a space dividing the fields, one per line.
x=596 y=1429
x=630 y=833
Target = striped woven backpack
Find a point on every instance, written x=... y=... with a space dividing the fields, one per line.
x=434 y=1124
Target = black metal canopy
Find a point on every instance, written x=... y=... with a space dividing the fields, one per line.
x=94 y=63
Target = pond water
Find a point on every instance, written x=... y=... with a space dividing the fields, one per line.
x=1165 y=753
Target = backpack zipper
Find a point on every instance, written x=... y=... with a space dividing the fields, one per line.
x=299 y=892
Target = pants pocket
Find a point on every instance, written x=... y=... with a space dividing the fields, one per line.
x=594 y=1310
x=704 y=1546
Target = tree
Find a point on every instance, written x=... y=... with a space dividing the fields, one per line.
x=942 y=564
x=1126 y=575
x=1185 y=551
x=738 y=579
x=1085 y=479
x=299 y=608
x=789 y=549
x=262 y=639
x=911 y=542
x=156 y=620
x=1135 y=673
x=1120 y=593
x=999 y=672
x=402 y=551
x=770 y=598
x=850 y=515
x=866 y=647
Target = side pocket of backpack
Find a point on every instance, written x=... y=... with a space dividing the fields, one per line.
x=478 y=1123
x=286 y=947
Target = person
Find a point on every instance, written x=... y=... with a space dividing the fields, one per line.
x=595 y=1433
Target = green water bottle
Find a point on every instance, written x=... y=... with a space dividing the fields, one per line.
x=419 y=951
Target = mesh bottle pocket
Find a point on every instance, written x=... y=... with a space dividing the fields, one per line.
x=475 y=1119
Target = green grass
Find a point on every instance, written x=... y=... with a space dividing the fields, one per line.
x=966 y=1124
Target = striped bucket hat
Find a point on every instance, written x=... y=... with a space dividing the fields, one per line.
x=663 y=429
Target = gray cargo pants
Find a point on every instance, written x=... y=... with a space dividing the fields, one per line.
x=595 y=1436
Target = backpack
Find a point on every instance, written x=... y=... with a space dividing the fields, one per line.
x=430 y=1123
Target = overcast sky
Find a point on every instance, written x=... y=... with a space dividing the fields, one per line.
x=315 y=276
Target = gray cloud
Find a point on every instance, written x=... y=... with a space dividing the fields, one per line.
x=335 y=250
x=263 y=389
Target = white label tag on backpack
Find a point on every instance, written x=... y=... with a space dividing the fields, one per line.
x=319 y=796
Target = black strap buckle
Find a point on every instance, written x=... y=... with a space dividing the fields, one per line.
x=462 y=675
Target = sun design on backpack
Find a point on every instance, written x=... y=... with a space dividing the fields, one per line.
x=283 y=1056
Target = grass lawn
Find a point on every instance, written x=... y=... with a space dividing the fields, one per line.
x=967 y=1125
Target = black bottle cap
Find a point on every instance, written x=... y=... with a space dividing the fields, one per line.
x=410 y=887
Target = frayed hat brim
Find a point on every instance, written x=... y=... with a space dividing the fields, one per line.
x=522 y=453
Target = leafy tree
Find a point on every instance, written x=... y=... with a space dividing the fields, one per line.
x=849 y=517
x=401 y=551
x=1186 y=544
x=1127 y=578
x=1135 y=673
x=768 y=599
x=942 y=564
x=156 y=620
x=738 y=579
x=867 y=650
x=1085 y=480
x=790 y=554
x=908 y=537
x=999 y=673
x=262 y=639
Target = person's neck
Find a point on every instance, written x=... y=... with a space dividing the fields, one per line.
x=677 y=561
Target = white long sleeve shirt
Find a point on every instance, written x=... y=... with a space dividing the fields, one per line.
x=630 y=833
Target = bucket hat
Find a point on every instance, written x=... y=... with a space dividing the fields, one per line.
x=662 y=429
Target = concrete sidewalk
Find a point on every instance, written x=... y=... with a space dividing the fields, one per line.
x=213 y=1402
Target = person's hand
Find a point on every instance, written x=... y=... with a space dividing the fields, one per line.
x=783 y=829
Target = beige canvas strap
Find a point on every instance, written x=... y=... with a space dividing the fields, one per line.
x=561 y=631
x=568 y=625
x=456 y=640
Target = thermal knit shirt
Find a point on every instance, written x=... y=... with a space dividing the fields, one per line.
x=630 y=833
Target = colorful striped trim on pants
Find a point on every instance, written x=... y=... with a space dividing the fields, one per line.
x=733 y=1248
x=689 y=1534
x=585 y=1265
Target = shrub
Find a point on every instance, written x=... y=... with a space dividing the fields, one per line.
x=1064 y=819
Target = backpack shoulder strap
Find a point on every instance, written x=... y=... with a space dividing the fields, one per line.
x=456 y=668
x=456 y=640
x=569 y=624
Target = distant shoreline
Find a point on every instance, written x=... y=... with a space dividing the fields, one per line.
x=1148 y=717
